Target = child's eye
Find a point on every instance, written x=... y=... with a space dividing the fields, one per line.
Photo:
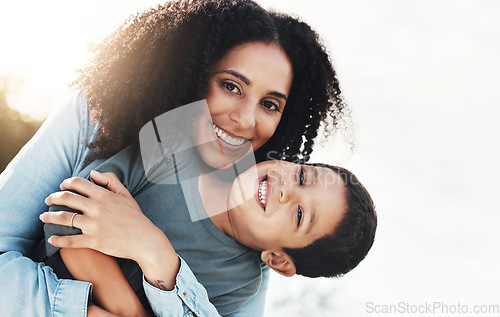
x=269 y=105
x=302 y=177
x=300 y=214
x=231 y=87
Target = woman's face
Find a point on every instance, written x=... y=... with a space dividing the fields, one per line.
x=246 y=95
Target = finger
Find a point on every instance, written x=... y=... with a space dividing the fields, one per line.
x=74 y=241
x=64 y=218
x=110 y=181
x=69 y=199
x=82 y=186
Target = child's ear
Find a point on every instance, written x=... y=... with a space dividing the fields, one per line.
x=279 y=261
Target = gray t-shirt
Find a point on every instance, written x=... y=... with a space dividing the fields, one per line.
x=230 y=272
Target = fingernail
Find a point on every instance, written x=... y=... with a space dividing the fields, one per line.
x=41 y=216
x=94 y=171
x=50 y=240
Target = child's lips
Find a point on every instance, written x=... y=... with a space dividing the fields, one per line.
x=262 y=192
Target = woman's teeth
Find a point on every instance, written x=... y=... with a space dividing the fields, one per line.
x=226 y=138
x=263 y=193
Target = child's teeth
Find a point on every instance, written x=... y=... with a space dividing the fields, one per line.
x=263 y=192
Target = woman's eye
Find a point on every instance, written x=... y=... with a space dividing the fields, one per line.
x=302 y=177
x=299 y=216
x=271 y=106
x=231 y=87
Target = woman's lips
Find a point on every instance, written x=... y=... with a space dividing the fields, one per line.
x=228 y=140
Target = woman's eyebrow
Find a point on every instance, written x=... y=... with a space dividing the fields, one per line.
x=236 y=74
x=277 y=94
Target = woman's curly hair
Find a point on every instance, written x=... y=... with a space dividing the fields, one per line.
x=161 y=59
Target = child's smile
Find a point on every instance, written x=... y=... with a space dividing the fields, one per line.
x=287 y=205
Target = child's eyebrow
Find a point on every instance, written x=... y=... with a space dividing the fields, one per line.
x=313 y=211
x=311 y=220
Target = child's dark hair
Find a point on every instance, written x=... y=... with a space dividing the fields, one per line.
x=161 y=59
x=339 y=252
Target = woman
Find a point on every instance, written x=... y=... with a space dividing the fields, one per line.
x=157 y=61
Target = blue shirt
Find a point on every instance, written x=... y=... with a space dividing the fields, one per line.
x=57 y=152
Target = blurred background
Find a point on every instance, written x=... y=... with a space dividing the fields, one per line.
x=422 y=78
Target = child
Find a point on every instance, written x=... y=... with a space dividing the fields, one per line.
x=313 y=220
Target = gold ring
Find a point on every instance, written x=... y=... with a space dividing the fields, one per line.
x=73 y=218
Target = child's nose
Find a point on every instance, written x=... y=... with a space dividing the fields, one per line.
x=286 y=191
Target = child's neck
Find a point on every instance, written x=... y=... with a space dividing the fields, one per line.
x=214 y=193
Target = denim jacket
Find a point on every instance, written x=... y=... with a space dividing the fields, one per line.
x=27 y=288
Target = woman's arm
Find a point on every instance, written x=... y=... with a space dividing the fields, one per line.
x=111 y=290
x=114 y=224
x=55 y=152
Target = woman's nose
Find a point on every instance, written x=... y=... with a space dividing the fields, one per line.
x=244 y=115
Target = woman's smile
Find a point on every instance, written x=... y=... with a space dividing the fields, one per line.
x=227 y=138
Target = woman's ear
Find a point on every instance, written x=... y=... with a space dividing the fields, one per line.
x=279 y=261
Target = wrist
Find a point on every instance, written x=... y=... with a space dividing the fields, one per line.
x=153 y=251
x=160 y=265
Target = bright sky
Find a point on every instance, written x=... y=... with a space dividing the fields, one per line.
x=46 y=41
x=422 y=78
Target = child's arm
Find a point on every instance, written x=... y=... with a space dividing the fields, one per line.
x=111 y=290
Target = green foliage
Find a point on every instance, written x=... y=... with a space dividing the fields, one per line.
x=15 y=129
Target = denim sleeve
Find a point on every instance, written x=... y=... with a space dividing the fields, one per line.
x=189 y=296
x=55 y=152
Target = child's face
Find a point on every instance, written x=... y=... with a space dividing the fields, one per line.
x=287 y=205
